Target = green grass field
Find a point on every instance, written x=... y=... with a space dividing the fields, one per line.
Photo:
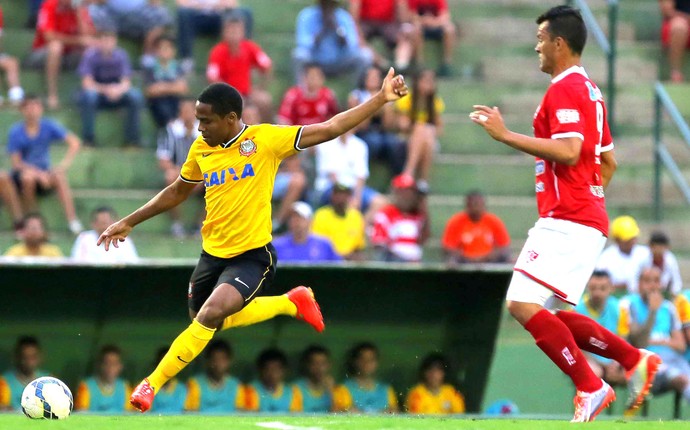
x=330 y=422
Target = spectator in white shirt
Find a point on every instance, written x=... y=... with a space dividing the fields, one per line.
x=662 y=257
x=624 y=259
x=85 y=249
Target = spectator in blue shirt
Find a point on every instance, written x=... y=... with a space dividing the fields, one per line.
x=327 y=35
x=28 y=145
x=299 y=244
x=105 y=72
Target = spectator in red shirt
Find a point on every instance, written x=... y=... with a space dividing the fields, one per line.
x=10 y=66
x=475 y=235
x=433 y=21
x=401 y=228
x=63 y=31
x=232 y=60
x=389 y=20
x=309 y=103
x=675 y=33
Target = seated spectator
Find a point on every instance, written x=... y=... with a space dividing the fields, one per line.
x=421 y=120
x=433 y=394
x=27 y=360
x=381 y=131
x=85 y=249
x=298 y=244
x=401 y=228
x=28 y=145
x=171 y=397
x=362 y=392
x=164 y=83
x=173 y=146
x=206 y=17
x=433 y=21
x=316 y=385
x=106 y=83
x=675 y=34
x=232 y=60
x=34 y=239
x=327 y=35
x=9 y=196
x=269 y=393
x=389 y=20
x=34 y=7
x=346 y=158
x=682 y=304
x=475 y=235
x=105 y=391
x=10 y=66
x=653 y=324
x=341 y=223
x=598 y=304
x=625 y=258
x=309 y=102
x=63 y=31
x=143 y=20
x=215 y=391
x=665 y=260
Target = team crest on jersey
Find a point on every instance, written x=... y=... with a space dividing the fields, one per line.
x=247 y=147
x=594 y=92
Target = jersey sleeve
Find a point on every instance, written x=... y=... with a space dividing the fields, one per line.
x=251 y=399
x=392 y=400
x=564 y=113
x=683 y=308
x=284 y=140
x=457 y=403
x=342 y=399
x=83 y=399
x=213 y=67
x=259 y=58
x=193 y=400
x=56 y=130
x=413 y=401
x=241 y=398
x=190 y=170
x=5 y=394
x=297 y=403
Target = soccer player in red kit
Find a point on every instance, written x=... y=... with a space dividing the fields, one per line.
x=574 y=163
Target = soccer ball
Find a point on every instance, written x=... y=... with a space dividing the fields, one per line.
x=48 y=398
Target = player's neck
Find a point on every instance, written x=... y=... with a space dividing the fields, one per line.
x=564 y=65
x=235 y=132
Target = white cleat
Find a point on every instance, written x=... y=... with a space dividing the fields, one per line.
x=589 y=405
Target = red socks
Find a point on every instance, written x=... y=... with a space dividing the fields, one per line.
x=592 y=337
x=557 y=342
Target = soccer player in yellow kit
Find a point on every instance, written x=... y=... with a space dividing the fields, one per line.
x=237 y=163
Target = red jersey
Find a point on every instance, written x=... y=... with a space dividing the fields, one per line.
x=297 y=109
x=235 y=68
x=56 y=18
x=377 y=10
x=573 y=107
x=398 y=232
x=2 y=21
x=428 y=7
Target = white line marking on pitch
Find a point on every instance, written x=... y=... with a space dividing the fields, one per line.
x=282 y=426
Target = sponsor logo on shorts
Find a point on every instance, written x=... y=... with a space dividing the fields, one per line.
x=539 y=168
x=241 y=282
x=568 y=116
x=568 y=356
x=539 y=187
x=597 y=190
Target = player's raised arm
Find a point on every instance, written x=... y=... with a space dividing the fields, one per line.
x=393 y=88
x=169 y=197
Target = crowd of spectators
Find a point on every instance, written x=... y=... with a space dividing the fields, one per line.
x=214 y=389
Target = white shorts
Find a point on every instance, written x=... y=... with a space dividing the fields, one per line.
x=556 y=262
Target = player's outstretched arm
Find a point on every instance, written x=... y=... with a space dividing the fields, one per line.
x=563 y=151
x=392 y=89
x=169 y=197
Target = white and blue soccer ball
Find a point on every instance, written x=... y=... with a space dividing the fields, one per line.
x=47 y=398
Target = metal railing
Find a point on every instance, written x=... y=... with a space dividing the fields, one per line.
x=662 y=157
x=608 y=45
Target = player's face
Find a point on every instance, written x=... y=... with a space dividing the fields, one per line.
x=319 y=366
x=111 y=367
x=475 y=206
x=32 y=110
x=658 y=251
x=545 y=48
x=434 y=377
x=650 y=281
x=233 y=32
x=218 y=364
x=340 y=199
x=214 y=129
x=599 y=289
x=29 y=359
x=367 y=363
x=273 y=374
x=33 y=232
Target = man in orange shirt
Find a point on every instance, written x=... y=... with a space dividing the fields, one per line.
x=475 y=235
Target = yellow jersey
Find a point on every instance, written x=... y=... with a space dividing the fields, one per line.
x=447 y=401
x=345 y=233
x=404 y=106
x=239 y=176
x=44 y=250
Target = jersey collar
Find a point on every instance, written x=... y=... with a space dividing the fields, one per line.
x=234 y=139
x=571 y=70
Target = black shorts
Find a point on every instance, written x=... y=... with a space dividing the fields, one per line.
x=40 y=189
x=249 y=273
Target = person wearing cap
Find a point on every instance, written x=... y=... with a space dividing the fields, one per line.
x=625 y=258
x=662 y=257
x=299 y=244
x=342 y=223
x=401 y=228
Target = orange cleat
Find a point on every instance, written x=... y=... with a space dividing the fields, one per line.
x=307 y=308
x=589 y=405
x=142 y=396
x=640 y=379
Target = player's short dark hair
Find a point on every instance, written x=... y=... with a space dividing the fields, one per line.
x=271 y=355
x=223 y=99
x=659 y=238
x=219 y=345
x=354 y=353
x=566 y=22
x=103 y=209
x=601 y=273
x=432 y=360
x=108 y=349
x=24 y=341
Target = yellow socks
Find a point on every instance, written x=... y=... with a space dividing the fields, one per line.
x=182 y=351
x=261 y=309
